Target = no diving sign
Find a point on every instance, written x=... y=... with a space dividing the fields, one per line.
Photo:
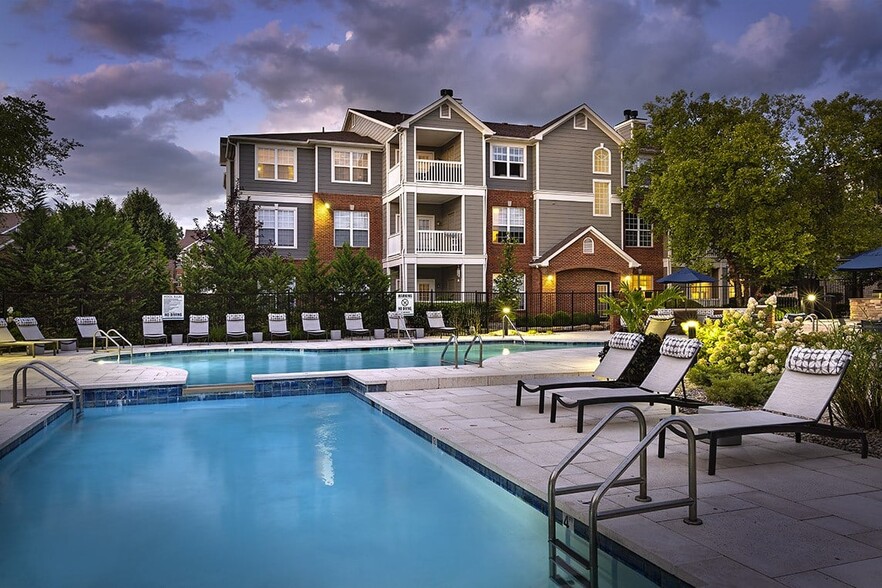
x=404 y=303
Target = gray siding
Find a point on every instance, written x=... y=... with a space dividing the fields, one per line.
x=565 y=159
x=325 y=185
x=410 y=285
x=408 y=222
x=368 y=128
x=304 y=229
x=558 y=218
x=473 y=278
x=451 y=219
x=305 y=173
x=524 y=185
x=474 y=225
x=472 y=145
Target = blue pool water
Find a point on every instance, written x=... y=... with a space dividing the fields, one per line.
x=237 y=365
x=288 y=492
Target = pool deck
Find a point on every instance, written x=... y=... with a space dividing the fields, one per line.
x=776 y=514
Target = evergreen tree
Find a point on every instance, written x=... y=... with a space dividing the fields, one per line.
x=313 y=288
x=144 y=213
x=507 y=285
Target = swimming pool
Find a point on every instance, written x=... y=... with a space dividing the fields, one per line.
x=305 y=491
x=236 y=366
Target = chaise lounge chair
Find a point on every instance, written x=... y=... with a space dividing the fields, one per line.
x=278 y=325
x=622 y=349
x=8 y=341
x=312 y=325
x=677 y=356
x=89 y=330
x=235 y=327
x=355 y=326
x=658 y=326
x=809 y=380
x=398 y=323
x=30 y=330
x=198 y=328
x=436 y=323
x=152 y=328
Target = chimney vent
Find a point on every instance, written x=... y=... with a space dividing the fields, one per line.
x=446 y=92
x=626 y=114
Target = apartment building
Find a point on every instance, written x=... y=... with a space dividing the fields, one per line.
x=435 y=194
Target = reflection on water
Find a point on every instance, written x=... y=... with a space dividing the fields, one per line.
x=325 y=444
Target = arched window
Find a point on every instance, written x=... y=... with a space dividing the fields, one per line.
x=588 y=246
x=601 y=160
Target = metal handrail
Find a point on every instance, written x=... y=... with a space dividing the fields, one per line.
x=455 y=340
x=76 y=393
x=398 y=321
x=465 y=357
x=112 y=335
x=505 y=318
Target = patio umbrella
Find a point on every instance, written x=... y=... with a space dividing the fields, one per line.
x=686 y=275
x=868 y=260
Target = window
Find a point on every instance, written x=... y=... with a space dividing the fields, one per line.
x=353 y=227
x=639 y=282
x=351 y=167
x=522 y=290
x=588 y=246
x=507 y=162
x=278 y=226
x=638 y=232
x=601 y=198
x=580 y=121
x=394 y=157
x=445 y=111
x=601 y=160
x=509 y=224
x=276 y=164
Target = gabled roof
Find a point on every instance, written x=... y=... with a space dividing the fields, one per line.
x=390 y=119
x=313 y=137
x=592 y=116
x=515 y=131
x=455 y=105
x=544 y=259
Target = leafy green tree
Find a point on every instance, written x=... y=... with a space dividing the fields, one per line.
x=28 y=150
x=360 y=284
x=145 y=214
x=507 y=285
x=313 y=289
x=719 y=183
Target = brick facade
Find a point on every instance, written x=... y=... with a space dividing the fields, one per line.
x=323 y=219
x=523 y=254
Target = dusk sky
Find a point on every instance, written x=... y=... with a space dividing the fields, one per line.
x=149 y=86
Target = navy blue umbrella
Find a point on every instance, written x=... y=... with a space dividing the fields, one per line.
x=685 y=276
x=869 y=260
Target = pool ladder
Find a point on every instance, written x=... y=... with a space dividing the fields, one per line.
x=561 y=556
x=507 y=322
x=115 y=337
x=454 y=340
x=70 y=392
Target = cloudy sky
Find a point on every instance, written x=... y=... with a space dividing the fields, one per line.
x=149 y=86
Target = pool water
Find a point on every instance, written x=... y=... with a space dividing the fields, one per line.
x=236 y=366
x=303 y=491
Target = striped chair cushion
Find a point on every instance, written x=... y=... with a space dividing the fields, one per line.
x=86 y=320
x=236 y=317
x=628 y=341
x=680 y=347
x=3 y=323
x=198 y=318
x=826 y=362
x=352 y=316
x=277 y=316
x=26 y=321
x=151 y=318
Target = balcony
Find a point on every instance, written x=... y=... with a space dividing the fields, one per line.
x=438 y=172
x=393 y=245
x=439 y=242
x=393 y=177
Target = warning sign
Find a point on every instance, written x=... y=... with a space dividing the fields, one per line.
x=404 y=303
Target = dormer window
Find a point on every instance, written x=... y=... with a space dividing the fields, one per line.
x=445 y=111
x=601 y=160
x=580 y=121
x=588 y=246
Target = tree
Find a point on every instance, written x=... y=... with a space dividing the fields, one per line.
x=27 y=149
x=507 y=285
x=634 y=308
x=224 y=264
x=277 y=274
x=313 y=289
x=720 y=183
x=144 y=213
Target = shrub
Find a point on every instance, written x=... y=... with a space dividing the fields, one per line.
x=542 y=320
x=741 y=389
x=702 y=375
x=560 y=318
x=580 y=318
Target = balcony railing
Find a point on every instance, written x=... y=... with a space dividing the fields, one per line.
x=439 y=172
x=439 y=242
x=393 y=244
x=393 y=177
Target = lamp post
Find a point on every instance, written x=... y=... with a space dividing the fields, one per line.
x=690 y=328
x=505 y=311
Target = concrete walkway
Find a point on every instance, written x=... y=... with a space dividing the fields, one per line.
x=776 y=514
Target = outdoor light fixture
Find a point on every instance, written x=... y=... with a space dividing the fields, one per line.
x=811 y=297
x=690 y=328
x=328 y=205
x=506 y=310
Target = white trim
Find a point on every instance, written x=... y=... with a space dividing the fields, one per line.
x=508 y=162
x=379 y=122
x=351 y=228
x=576 y=126
x=608 y=161
x=572 y=196
x=425 y=216
x=609 y=198
x=351 y=167
x=632 y=263
x=592 y=116
x=276 y=197
x=275 y=208
x=276 y=148
x=441 y=111
x=454 y=105
x=585 y=250
x=509 y=225
x=625 y=233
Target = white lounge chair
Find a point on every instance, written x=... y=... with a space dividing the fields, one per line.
x=355 y=326
x=30 y=330
x=807 y=384
x=622 y=349
x=436 y=323
x=153 y=328
x=278 y=325
x=235 y=327
x=89 y=330
x=678 y=354
x=398 y=323
x=198 y=328
x=312 y=325
x=8 y=341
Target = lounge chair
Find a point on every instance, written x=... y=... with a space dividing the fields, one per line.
x=198 y=328
x=622 y=349
x=235 y=327
x=809 y=380
x=658 y=326
x=678 y=354
x=312 y=325
x=354 y=325
x=436 y=323
x=89 y=330
x=8 y=341
x=30 y=330
x=278 y=325
x=153 y=329
x=398 y=323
